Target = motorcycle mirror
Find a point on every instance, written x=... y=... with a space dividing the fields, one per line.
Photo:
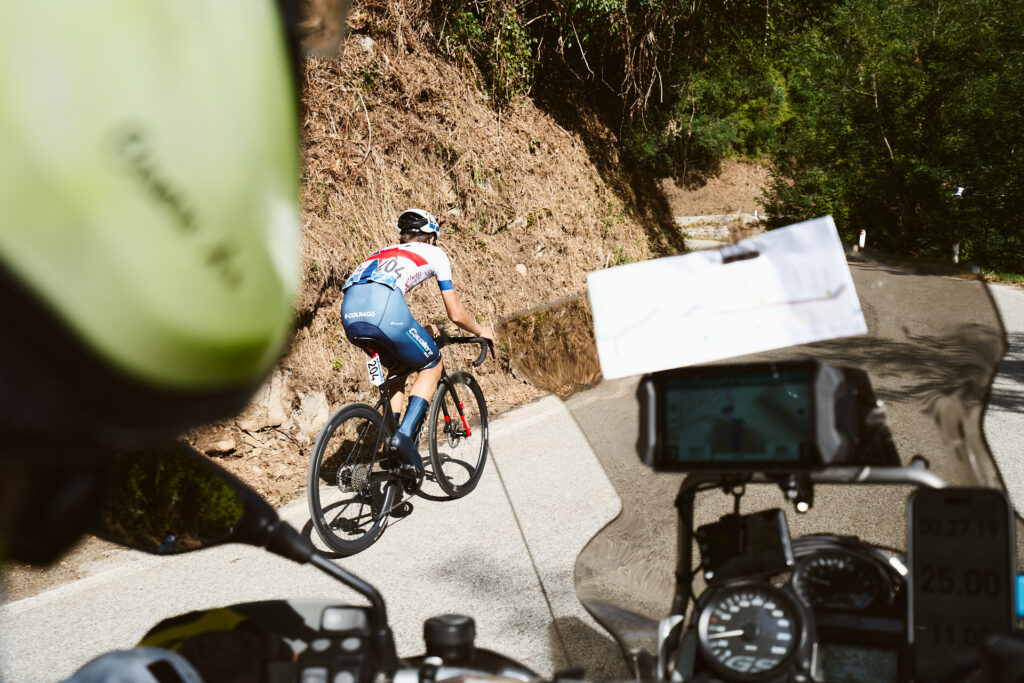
x=172 y=500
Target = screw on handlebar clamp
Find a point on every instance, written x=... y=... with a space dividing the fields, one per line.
x=736 y=491
x=798 y=490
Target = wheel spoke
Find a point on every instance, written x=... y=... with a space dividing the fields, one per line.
x=351 y=524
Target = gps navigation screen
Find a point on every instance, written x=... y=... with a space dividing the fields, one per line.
x=764 y=417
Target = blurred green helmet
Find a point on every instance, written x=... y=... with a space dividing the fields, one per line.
x=149 y=234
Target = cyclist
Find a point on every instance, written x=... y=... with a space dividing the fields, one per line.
x=377 y=319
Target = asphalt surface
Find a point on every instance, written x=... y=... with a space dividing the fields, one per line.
x=504 y=555
x=1002 y=421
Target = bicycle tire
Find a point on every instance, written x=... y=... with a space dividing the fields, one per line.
x=458 y=460
x=346 y=452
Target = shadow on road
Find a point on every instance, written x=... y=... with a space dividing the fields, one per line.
x=575 y=645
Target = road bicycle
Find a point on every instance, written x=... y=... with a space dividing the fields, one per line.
x=355 y=484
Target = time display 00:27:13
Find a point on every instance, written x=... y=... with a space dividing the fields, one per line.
x=959 y=528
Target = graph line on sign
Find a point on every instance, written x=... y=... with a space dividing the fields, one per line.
x=700 y=308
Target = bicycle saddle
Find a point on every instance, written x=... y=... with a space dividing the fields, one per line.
x=372 y=346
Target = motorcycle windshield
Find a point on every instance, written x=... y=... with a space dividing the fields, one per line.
x=934 y=343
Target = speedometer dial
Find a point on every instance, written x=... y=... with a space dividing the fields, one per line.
x=749 y=632
x=837 y=580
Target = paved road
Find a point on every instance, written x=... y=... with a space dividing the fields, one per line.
x=504 y=554
x=1003 y=425
x=697 y=244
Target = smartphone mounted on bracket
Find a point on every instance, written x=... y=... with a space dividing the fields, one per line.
x=961 y=576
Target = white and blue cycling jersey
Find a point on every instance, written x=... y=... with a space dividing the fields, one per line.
x=404 y=266
x=374 y=313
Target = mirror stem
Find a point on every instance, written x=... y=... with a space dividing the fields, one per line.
x=385 y=654
x=287 y=542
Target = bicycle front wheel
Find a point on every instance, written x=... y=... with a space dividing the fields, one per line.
x=457 y=434
x=348 y=506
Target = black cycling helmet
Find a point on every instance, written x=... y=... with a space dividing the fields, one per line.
x=418 y=221
x=149 y=233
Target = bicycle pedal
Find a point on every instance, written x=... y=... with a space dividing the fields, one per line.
x=403 y=510
x=411 y=484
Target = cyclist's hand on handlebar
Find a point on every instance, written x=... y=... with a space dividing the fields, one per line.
x=487 y=333
x=433 y=330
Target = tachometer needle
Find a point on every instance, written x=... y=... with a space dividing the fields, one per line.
x=727 y=634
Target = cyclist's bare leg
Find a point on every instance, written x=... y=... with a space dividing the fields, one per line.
x=426 y=383
x=396 y=397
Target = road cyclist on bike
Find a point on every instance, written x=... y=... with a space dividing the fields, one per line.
x=377 y=319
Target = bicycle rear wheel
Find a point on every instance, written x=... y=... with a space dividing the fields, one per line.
x=457 y=434
x=349 y=507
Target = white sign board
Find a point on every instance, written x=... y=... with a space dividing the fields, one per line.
x=782 y=288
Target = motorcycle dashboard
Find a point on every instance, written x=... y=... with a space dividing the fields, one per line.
x=839 y=661
x=841 y=581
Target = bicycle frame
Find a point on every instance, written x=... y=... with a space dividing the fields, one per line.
x=383 y=405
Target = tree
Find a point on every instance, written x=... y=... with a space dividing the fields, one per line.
x=895 y=105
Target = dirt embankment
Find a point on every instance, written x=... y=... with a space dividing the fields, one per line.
x=738 y=189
